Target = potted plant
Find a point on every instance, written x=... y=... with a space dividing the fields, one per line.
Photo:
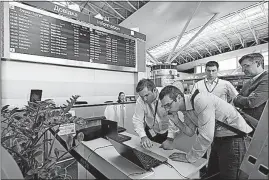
x=23 y=135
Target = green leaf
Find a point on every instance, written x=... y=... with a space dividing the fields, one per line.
x=3 y=139
x=4 y=108
x=35 y=147
x=13 y=111
x=69 y=141
x=31 y=172
x=56 y=152
x=38 y=153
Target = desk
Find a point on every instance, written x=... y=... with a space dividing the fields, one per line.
x=104 y=157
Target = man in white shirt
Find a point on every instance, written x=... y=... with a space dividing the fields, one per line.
x=150 y=120
x=207 y=113
x=212 y=84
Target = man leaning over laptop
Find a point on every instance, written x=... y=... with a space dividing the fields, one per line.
x=218 y=123
x=150 y=120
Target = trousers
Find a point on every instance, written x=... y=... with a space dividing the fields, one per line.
x=226 y=156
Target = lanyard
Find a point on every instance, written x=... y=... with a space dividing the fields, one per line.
x=154 y=113
x=213 y=87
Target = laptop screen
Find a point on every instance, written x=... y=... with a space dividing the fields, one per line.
x=126 y=152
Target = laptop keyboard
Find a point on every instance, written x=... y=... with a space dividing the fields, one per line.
x=121 y=138
x=146 y=160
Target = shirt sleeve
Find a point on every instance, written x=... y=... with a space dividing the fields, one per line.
x=232 y=92
x=257 y=97
x=206 y=129
x=138 y=119
x=172 y=129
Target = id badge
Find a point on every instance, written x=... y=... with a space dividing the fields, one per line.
x=152 y=133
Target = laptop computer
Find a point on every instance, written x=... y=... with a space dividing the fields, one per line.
x=111 y=128
x=145 y=160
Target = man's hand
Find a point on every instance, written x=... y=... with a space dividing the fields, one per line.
x=146 y=142
x=167 y=144
x=181 y=157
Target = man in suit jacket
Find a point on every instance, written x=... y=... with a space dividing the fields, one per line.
x=254 y=94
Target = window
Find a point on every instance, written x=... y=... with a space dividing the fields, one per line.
x=203 y=68
x=227 y=64
x=198 y=69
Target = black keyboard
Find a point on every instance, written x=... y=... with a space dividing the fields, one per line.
x=146 y=160
x=121 y=138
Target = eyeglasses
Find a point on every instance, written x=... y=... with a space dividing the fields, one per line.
x=168 y=105
x=247 y=65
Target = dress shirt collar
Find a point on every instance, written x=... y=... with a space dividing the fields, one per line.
x=187 y=99
x=255 y=77
x=215 y=80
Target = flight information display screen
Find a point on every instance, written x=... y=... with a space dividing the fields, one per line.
x=37 y=34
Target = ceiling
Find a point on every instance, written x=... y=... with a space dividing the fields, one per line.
x=237 y=25
x=112 y=11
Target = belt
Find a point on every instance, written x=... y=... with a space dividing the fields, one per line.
x=228 y=137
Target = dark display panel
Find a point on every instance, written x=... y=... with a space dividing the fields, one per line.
x=37 y=34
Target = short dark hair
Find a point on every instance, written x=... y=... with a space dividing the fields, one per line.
x=212 y=63
x=145 y=83
x=172 y=91
x=119 y=101
x=253 y=57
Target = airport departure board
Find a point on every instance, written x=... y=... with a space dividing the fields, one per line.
x=37 y=34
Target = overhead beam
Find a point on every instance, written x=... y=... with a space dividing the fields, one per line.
x=200 y=30
x=190 y=55
x=178 y=60
x=93 y=5
x=215 y=45
x=123 y=7
x=264 y=12
x=113 y=9
x=88 y=10
x=196 y=50
x=244 y=16
x=182 y=32
x=156 y=61
x=224 y=38
x=237 y=35
x=131 y=5
x=183 y=58
x=204 y=46
x=83 y=7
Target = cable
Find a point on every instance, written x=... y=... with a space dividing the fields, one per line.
x=171 y=166
x=96 y=149
x=212 y=175
x=139 y=173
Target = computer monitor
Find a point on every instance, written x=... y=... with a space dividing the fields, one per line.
x=36 y=95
